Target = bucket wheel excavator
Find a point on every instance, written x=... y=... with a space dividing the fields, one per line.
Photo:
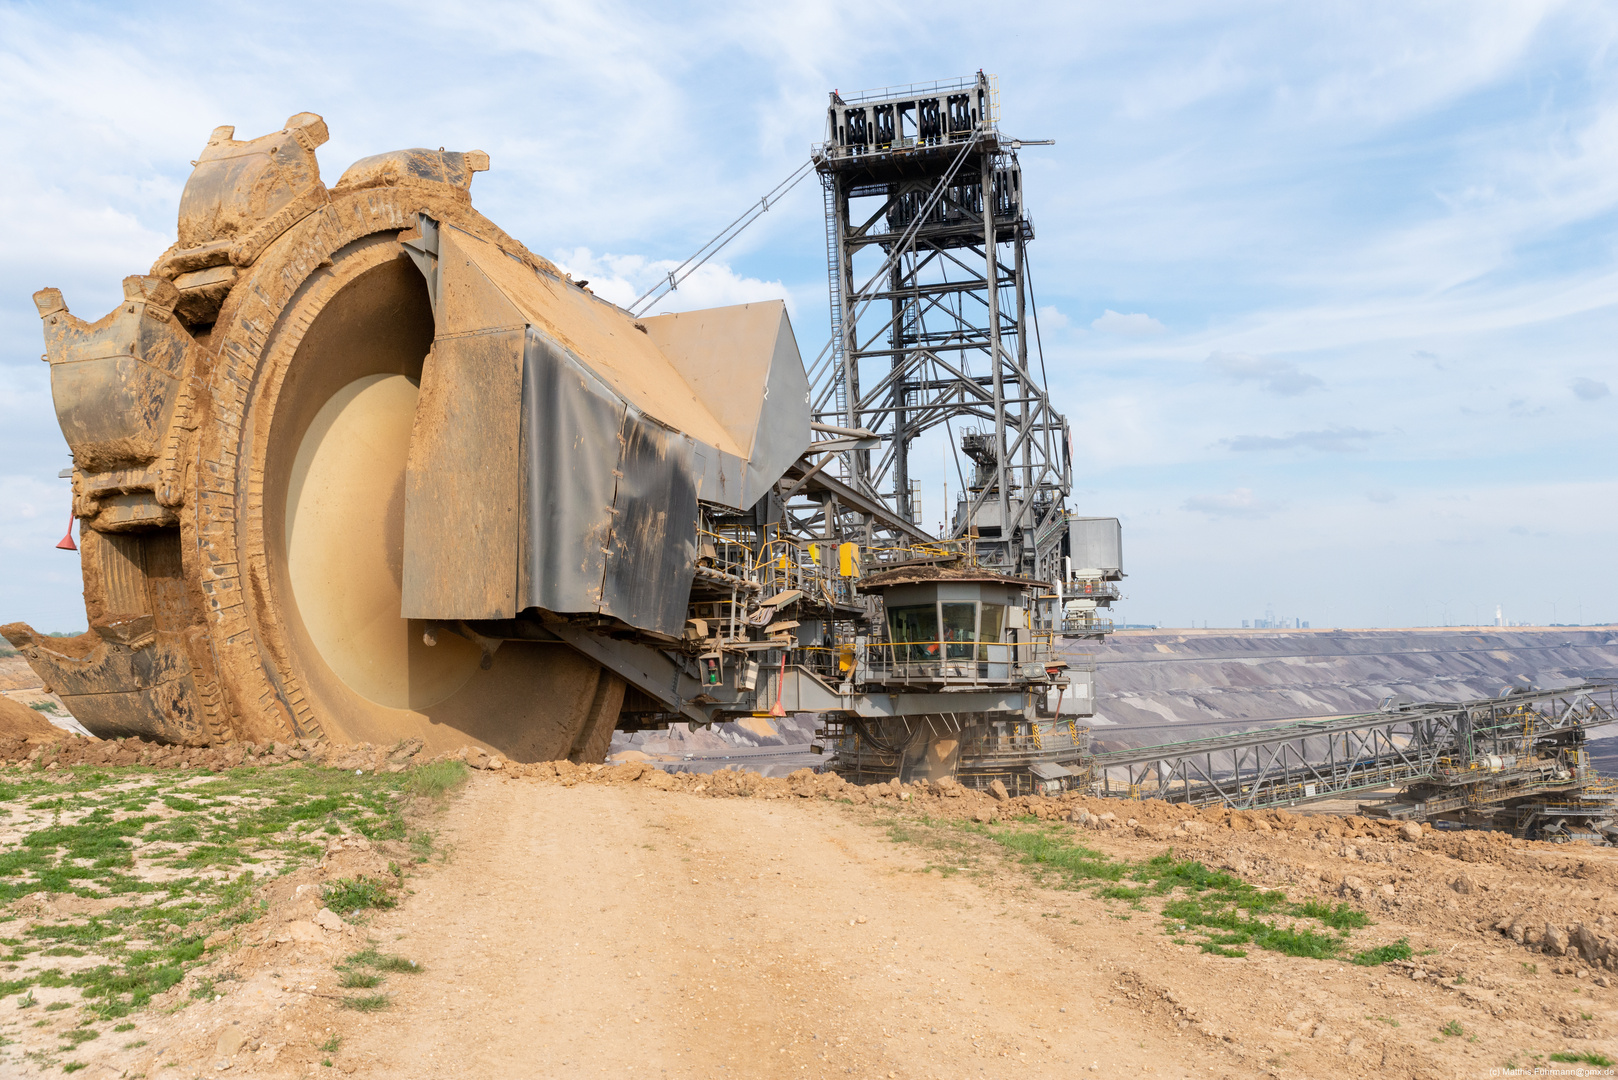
x=351 y=462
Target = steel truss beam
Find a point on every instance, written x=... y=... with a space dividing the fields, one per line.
x=1489 y=743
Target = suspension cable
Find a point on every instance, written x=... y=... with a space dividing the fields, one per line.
x=672 y=279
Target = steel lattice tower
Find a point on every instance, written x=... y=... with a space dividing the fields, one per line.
x=927 y=239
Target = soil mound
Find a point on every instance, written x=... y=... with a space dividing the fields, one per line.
x=18 y=721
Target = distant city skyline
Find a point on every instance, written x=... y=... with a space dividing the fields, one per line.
x=1329 y=293
x=1305 y=624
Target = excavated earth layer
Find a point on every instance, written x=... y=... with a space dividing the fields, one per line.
x=1165 y=685
x=622 y=920
x=52 y=749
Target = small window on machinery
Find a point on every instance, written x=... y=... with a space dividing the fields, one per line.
x=914 y=633
x=991 y=627
x=960 y=629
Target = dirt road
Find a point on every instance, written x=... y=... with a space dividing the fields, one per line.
x=611 y=928
x=615 y=931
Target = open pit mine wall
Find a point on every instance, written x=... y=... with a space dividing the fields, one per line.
x=557 y=450
x=1167 y=685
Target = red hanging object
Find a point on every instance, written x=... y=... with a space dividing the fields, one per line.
x=779 y=682
x=66 y=543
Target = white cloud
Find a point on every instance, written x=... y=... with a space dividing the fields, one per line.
x=1589 y=389
x=1136 y=325
x=1332 y=441
x=1052 y=319
x=623 y=279
x=1278 y=376
x=1423 y=547
x=1240 y=503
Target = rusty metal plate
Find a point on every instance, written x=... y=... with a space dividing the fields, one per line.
x=654 y=537
x=462 y=485
x=570 y=456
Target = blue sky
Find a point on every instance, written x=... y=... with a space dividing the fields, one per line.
x=1330 y=292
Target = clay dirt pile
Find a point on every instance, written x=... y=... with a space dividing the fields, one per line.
x=19 y=723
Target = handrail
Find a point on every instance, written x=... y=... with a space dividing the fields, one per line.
x=901 y=91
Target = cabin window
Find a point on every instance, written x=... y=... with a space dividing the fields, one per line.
x=989 y=630
x=914 y=631
x=960 y=629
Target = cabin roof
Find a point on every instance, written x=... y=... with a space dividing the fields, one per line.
x=922 y=574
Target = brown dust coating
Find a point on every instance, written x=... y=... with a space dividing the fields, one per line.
x=184 y=406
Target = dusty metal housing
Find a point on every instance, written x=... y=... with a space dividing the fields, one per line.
x=329 y=420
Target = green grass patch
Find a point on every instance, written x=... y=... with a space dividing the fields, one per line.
x=397 y=964
x=1383 y=954
x=213 y=838
x=205 y=855
x=1341 y=917
x=367 y=1002
x=1585 y=1057
x=1222 y=950
x=1216 y=911
x=377 y=960
x=368 y=969
x=345 y=895
x=436 y=780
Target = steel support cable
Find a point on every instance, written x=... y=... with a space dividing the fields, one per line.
x=1039 y=351
x=868 y=293
x=955 y=454
x=937 y=405
x=827 y=389
x=954 y=447
x=1045 y=468
x=937 y=302
x=672 y=279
